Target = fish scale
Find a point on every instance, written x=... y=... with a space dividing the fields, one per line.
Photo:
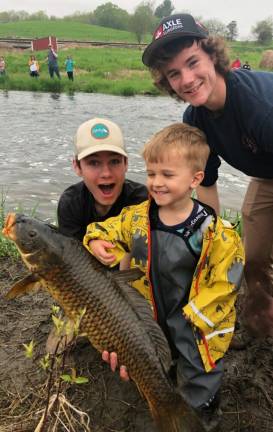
x=116 y=319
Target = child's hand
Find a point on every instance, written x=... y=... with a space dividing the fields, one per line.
x=112 y=359
x=99 y=249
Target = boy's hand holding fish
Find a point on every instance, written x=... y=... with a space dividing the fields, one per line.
x=100 y=248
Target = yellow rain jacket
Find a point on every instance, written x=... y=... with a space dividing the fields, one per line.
x=215 y=283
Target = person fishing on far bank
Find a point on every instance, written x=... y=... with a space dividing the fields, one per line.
x=234 y=109
x=191 y=260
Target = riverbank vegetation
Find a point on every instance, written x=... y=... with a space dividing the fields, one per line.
x=117 y=71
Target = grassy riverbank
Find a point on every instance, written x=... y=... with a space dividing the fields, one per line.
x=116 y=71
x=101 y=70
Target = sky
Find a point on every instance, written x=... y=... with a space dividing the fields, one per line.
x=246 y=12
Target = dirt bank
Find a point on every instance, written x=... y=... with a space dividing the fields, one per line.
x=112 y=405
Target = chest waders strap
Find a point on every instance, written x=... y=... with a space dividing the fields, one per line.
x=193 y=226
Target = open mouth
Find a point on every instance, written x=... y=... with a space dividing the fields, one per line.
x=107 y=189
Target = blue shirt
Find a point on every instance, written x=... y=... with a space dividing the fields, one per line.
x=242 y=132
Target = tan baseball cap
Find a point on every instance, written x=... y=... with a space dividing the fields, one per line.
x=98 y=135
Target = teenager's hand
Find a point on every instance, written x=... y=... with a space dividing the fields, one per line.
x=100 y=249
x=112 y=359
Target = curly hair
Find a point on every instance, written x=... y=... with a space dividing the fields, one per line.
x=214 y=46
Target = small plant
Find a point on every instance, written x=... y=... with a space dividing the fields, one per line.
x=58 y=411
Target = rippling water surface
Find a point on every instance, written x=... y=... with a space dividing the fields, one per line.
x=36 y=149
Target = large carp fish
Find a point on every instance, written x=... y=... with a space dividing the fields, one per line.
x=116 y=319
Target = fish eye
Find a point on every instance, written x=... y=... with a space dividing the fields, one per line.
x=32 y=233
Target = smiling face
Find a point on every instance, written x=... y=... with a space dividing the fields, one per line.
x=103 y=174
x=192 y=75
x=171 y=180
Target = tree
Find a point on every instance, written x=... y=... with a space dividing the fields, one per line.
x=215 y=27
x=110 y=15
x=264 y=31
x=39 y=16
x=142 y=21
x=232 y=31
x=164 y=9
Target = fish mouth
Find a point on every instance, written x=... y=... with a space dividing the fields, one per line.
x=9 y=225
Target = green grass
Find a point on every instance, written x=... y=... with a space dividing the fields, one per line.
x=105 y=70
x=66 y=30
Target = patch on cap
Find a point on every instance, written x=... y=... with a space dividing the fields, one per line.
x=168 y=27
x=100 y=131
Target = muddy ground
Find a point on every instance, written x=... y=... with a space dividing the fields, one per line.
x=112 y=405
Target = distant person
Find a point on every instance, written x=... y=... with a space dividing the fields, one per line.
x=52 y=60
x=101 y=160
x=236 y=64
x=246 y=66
x=33 y=67
x=69 y=67
x=2 y=66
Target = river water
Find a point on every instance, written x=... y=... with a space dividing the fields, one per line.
x=36 y=150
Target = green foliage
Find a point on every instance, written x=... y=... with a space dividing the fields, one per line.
x=264 y=31
x=105 y=70
x=232 y=30
x=235 y=218
x=110 y=15
x=73 y=378
x=215 y=27
x=164 y=9
x=142 y=21
x=58 y=410
x=29 y=349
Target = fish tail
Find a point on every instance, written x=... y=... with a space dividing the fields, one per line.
x=175 y=416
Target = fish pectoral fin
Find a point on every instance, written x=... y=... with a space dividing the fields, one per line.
x=125 y=276
x=24 y=286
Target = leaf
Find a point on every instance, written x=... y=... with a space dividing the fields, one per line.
x=29 y=348
x=44 y=362
x=66 y=378
x=55 y=309
x=81 y=380
x=59 y=324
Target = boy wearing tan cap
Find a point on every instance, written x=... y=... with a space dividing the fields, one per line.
x=101 y=160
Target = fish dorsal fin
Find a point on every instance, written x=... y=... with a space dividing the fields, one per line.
x=29 y=283
x=144 y=311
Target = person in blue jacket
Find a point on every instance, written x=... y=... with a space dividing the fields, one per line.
x=234 y=108
x=69 y=67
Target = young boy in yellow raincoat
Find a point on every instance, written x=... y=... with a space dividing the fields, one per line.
x=191 y=259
